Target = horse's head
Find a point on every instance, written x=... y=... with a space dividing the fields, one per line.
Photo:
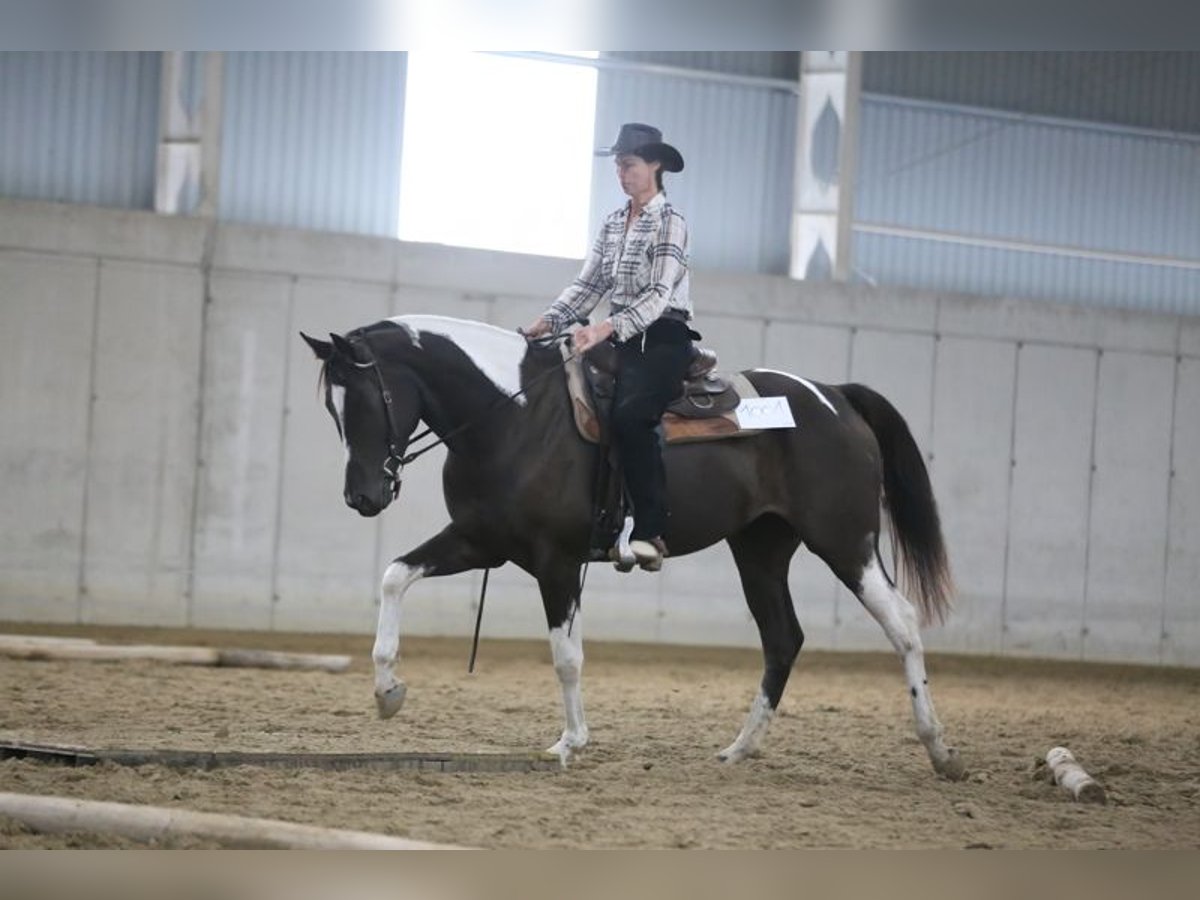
x=376 y=407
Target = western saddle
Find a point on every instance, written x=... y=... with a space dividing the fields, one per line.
x=704 y=411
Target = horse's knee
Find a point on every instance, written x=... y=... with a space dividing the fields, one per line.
x=397 y=578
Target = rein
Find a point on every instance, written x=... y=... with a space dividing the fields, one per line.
x=393 y=466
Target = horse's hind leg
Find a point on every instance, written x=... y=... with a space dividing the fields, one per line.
x=763 y=552
x=899 y=620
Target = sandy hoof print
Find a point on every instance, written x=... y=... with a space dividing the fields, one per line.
x=390 y=701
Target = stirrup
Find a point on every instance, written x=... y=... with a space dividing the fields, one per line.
x=620 y=553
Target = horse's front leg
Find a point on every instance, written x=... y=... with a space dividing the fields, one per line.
x=447 y=553
x=560 y=597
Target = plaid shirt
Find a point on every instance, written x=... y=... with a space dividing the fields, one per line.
x=643 y=272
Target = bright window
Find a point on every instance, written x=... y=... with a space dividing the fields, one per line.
x=497 y=152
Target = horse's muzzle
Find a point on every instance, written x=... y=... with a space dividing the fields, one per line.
x=364 y=505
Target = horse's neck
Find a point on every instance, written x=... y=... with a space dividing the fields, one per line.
x=471 y=375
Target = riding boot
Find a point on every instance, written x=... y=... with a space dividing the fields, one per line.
x=649 y=554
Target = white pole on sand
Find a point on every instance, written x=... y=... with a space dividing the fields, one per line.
x=20 y=647
x=56 y=815
x=1071 y=777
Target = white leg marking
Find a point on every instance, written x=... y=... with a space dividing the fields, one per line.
x=804 y=381
x=389 y=690
x=567 y=650
x=899 y=620
x=752 y=733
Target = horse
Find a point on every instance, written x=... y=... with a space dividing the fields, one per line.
x=518 y=484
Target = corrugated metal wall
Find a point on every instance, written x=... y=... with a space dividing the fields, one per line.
x=312 y=140
x=738 y=144
x=1156 y=89
x=79 y=127
x=980 y=270
x=976 y=175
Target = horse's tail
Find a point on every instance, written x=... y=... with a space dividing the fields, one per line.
x=908 y=498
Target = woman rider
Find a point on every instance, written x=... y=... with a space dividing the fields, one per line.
x=639 y=261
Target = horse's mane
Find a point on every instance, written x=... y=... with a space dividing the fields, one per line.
x=451 y=327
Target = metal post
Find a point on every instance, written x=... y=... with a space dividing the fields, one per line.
x=826 y=158
x=189 y=133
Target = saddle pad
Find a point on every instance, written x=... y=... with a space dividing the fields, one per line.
x=676 y=430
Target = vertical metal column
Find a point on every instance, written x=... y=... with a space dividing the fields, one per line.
x=189 y=133
x=826 y=156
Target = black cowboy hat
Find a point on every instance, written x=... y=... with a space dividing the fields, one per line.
x=644 y=141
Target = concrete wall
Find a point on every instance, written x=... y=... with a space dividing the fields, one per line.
x=165 y=458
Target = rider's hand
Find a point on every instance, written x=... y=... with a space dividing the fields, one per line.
x=537 y=328
x=588 y=337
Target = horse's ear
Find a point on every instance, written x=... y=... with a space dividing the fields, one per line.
x=341 y=345
x=323 y=349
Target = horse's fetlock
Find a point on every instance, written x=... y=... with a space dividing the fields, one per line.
x=929 y=732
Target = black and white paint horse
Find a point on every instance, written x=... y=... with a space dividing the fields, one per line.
x=518 y=479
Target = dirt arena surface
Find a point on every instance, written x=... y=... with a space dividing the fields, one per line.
x=841 y=766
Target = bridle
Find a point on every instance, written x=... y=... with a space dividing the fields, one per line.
x=393 y=465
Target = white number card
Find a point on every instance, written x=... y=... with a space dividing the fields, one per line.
x=765 y=412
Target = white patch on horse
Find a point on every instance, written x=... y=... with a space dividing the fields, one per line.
x=389 y=690
x=755 y=729
x=804 y=381
x=337 y=396
x=566 y=647
x=413 y=334
x=495 y=352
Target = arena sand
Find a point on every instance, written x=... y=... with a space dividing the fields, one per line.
x=841 y=766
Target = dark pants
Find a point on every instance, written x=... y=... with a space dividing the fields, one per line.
x=649 y=376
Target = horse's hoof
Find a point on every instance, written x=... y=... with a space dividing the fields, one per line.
x=732 y=754
x=565 y=750
x=390 y=701
x=561 y=753
x=952 y=768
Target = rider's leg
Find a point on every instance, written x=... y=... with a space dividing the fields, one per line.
x=649 y=376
